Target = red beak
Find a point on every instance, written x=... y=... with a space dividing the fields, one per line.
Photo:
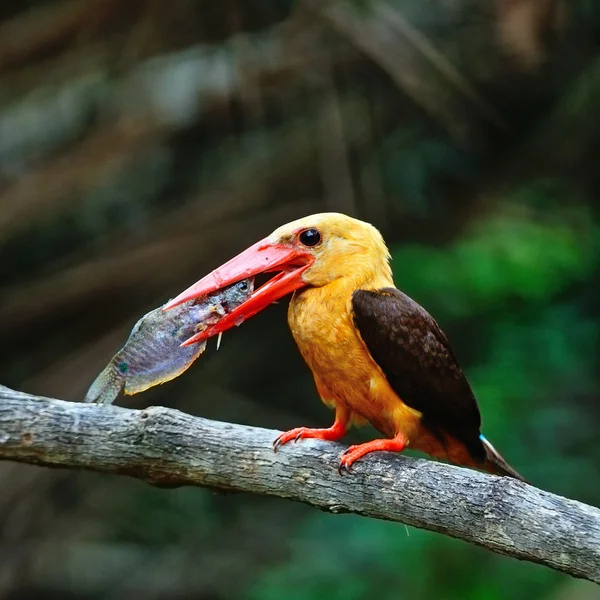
x=262 y=257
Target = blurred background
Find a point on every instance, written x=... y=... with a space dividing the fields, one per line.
x=142 y=143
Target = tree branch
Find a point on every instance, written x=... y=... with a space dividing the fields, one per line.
x=168 y=448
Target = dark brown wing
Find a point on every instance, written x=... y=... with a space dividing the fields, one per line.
x=416 y=358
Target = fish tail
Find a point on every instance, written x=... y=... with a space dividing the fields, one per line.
x=494 y=463
x=106 y=386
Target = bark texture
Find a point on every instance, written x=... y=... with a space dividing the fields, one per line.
x=169 y=448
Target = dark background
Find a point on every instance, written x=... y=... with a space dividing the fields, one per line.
x=144 y=142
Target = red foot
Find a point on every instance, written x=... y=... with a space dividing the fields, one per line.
x=333 y=433
x=353 y=453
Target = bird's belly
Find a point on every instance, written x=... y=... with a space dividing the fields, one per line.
x=345 y=373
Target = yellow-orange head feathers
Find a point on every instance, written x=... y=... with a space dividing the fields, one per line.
x=342 y=247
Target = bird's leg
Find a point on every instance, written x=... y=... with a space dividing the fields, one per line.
x=353 y=453
x=333 y=433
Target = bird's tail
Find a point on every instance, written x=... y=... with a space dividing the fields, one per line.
x=494 y=463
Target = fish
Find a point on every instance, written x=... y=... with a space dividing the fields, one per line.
x=153 y=354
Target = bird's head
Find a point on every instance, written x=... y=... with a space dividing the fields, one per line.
x=314 y=251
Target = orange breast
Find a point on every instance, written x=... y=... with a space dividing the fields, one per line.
x=321 y=323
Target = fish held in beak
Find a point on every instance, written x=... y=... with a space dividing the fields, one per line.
x=153 y=354
x=265 y=256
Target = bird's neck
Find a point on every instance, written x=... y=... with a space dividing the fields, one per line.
x=361 y=278
x=312 y=307
x=321 y=322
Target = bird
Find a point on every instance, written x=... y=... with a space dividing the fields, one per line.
x=376 y=355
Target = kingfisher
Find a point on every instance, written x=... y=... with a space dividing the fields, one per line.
x=376 y=355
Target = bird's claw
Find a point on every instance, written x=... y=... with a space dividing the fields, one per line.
x=349 y=449
x=353 y=453
x=288 y=436
x=343 y=466
x=347 y=459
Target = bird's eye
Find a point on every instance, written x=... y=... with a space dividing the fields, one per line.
x=310 y=237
